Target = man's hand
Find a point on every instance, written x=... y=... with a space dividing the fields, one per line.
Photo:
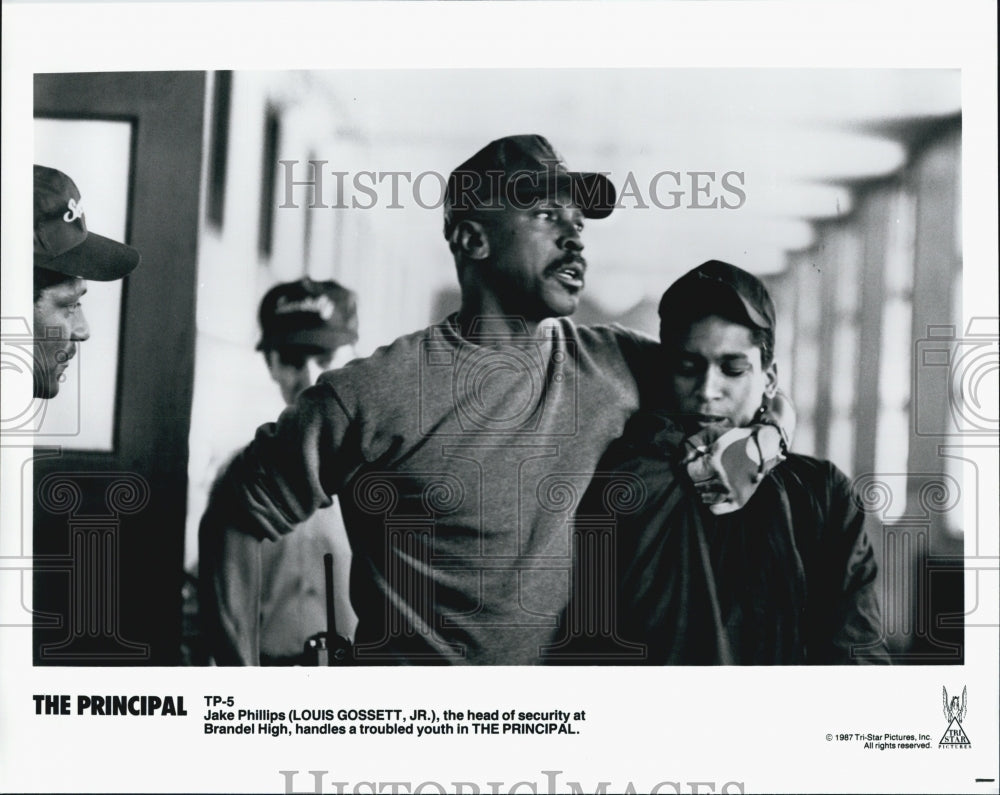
x=727 y=464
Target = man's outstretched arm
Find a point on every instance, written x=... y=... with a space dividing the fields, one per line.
x=289 y=470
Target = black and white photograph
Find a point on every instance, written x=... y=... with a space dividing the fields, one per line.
x=654 y=395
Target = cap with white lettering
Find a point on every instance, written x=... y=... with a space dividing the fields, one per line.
x=308 y=314
x=62 y=241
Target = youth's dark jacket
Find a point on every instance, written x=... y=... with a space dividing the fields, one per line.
x=789 y=579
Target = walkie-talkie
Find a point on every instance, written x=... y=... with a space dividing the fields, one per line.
x=330 y=647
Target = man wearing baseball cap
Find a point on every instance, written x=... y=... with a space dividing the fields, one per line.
x=66 y=255
x=786 y=577
x=459 y=452
x=260 y=603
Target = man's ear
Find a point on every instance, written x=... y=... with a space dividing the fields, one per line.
x=472 y=239
x=771 y=384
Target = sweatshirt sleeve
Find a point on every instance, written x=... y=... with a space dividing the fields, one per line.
x=290 y=469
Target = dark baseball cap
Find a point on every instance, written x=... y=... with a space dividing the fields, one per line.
x=62 y=241
x=716 y=285
x=517 y=171
x=308 y=314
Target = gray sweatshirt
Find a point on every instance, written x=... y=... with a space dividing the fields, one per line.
x=459 y=467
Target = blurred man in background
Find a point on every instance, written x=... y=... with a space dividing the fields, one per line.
x=66 y=255
x=261 y=602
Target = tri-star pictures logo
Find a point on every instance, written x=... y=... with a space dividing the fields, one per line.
x=954 y=713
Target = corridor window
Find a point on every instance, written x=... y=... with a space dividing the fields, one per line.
x=269 y=166
x=844 y=351
x=896 y=349
x=218 y=150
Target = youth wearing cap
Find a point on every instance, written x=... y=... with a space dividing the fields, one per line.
x=722 y=290
x=261 y=602
x=787 y=579
x=444 y=447
x=66 y=254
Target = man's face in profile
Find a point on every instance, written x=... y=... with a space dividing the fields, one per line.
x=59 y=325
x=717 y=376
